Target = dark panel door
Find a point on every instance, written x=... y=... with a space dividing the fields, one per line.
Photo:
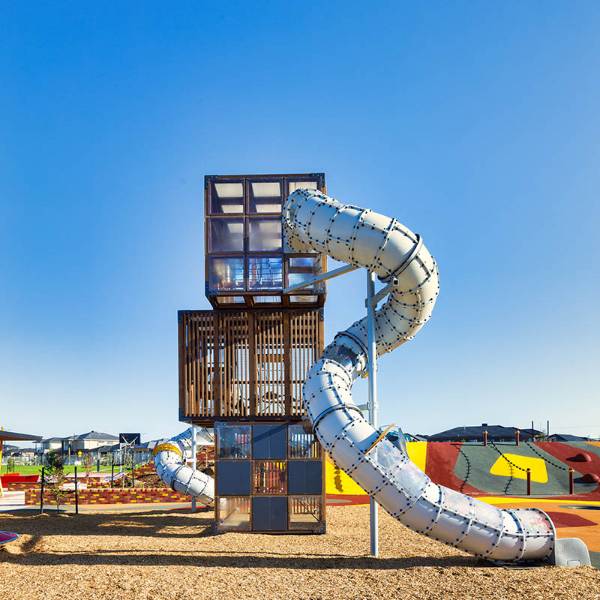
x=233 y=477
x=305 y=477
x=269 y=441
x=270 y=513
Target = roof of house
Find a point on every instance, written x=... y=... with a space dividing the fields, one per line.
x=11 y=436
x=96 y=436
x=52 y=439
x=107 y=448
x=567 y=437
x=476 y=432
x=23 y=451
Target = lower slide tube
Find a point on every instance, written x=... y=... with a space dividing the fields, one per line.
x=169 y=460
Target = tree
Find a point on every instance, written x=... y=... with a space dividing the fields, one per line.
x=88 y=462
x=54 y=477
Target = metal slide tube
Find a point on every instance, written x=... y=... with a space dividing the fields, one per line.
x=315 y=222
x=169 y=460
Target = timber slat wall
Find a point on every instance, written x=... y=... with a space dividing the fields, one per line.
x=244 y=364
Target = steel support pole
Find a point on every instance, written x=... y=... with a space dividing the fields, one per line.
x=373 y=408
x=194 y=460
x=1 y=448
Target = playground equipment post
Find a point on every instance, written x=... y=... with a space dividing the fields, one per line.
x=194 y=460
x=373 y=408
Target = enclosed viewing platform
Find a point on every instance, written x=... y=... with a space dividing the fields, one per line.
x=247 y=263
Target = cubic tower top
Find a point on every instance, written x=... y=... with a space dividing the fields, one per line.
x=247 y=263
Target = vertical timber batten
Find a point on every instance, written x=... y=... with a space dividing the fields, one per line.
x=287 y=363
x=252 y=362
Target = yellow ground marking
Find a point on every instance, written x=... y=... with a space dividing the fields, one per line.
x=502 y=468
x=533 y=500
x=417 y=451
x=594 y=443
x=337 y=482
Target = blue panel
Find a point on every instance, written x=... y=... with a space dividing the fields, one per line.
x=233 y=477
x=269 y=513
x=305 y=477
x=269 y=441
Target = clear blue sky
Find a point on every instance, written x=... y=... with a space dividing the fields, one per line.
x=477 y=124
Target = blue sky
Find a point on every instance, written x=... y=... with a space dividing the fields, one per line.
x=476 y=124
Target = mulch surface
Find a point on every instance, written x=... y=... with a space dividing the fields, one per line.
x=174 y=555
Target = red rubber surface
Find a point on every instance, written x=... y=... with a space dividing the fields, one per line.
x=441 y=460
x=562 y=519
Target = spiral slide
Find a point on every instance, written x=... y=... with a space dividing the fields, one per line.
x=314 y=222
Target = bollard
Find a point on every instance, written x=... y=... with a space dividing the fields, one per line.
x=76 y=493
x=42 y=492
x=517 y=437
x=571 y=481
x=485 y=438
x=528 y=481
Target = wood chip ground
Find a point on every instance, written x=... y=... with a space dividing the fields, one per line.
x=175 y=555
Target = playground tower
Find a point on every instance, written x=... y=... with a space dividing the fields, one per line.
x=242 y=364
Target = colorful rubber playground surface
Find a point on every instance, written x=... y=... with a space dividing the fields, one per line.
x=7 y=536
x=497 y=474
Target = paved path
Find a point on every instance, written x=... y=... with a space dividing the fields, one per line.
x=12 y=501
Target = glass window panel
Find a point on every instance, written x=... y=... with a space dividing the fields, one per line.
x=233 y=441
x=302 y=443
x=304 y=511
x=227 y=198
x=226 y=274
x=270 y=477
x=297 y=278
x=234 y=513
x=265 y=273
x=230 y=299
x=267 y=300
x=304 y=268
x=305 y=299
x=265 y=197
x=226 y=235
x=307 y=185
x=305 y=262
x=264 y=235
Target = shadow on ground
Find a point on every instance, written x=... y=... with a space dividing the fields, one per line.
x=249 y=560
x=144 y=524
x=33 y=552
